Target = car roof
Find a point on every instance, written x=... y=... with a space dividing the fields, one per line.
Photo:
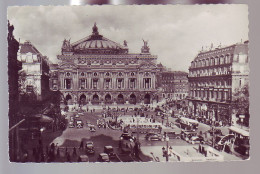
x=103 y=154
x=108 y=147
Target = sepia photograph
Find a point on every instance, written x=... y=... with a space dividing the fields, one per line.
x=139 y=83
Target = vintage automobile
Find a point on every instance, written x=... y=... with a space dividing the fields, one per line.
x=186 y=135
x=90 y=148
x=196 y=140
x=71 y=124
x=79 y=124
x=126 y=136
x=110 y=151
x=84 y=158
x=153 y=137
x=103 y=157
x=92 y=128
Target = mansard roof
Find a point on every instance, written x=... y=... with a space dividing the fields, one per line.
x=27 y=47
x=237 y=48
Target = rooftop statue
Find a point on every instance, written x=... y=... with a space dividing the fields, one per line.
x=66 y=45
x=95 y=29
x=125 y=43
x=145 y=48
x=145 y=44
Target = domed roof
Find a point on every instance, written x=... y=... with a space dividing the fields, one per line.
x=96 y=44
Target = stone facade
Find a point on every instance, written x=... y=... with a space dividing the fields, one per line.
x=214 y=76
x=174 y=85
x=96 y=70
x=35 y=69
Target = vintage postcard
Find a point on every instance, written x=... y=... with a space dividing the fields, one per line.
x=160 y=83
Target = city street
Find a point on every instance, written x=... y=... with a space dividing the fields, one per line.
x=72 y=137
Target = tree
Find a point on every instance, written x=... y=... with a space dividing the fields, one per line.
x=241 y=103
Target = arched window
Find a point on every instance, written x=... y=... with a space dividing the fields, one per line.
x=216 y=61
x=222 y=61
x=226 y=59
x=207 y=62
x=212 y=63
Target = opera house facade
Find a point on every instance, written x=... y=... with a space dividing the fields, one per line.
x=96 y=70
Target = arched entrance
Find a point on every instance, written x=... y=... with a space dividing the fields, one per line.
x=147 y=99
x=120 y=99
x=82 y=99
x=132 y=99
x=108 y=99
x=69 y=99
x=95 y=99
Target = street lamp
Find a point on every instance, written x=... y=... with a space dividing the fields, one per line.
x=166 y=151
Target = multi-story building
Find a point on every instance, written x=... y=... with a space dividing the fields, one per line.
x=35 y=71
x=181 y=85
x=96 y=70
x=174 y=85
x=215 y=76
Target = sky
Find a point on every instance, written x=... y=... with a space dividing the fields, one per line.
x=175 y=33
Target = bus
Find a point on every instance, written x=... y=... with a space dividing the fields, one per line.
x=188 y=124
x=144 y=127
x=241 y=143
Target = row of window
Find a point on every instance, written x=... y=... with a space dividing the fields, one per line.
x=212 y=83
x=69 y=74
x=210 y=72
x=95 y=83
x=222 y=95
x=211 y=61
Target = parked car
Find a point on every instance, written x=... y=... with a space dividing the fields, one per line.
x=217 y=132
x=90 y=147
x=84 y=158
x=153 y=137
x=196 y=140
x=92 y=128
x=126 y=136
x=77 y=116
x=79 y=124
x=71 y=118
x=88 y=123
x=110 y=151
x=103 y=157
x=71 y=124
x=173 y=135
x=186 y=135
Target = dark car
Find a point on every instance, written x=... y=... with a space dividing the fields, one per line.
x=103 y=157
x=126 y=136
x=153 y=137
x=186 y=135
x=243 y=150
x=217 y=132
x=173 y=135
x=110 y=151
x=196 y=140
x=90 y=147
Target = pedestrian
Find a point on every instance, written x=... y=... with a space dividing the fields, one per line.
x=81 y=145
x=79 y=159
x=58 y=152
x=74 y=151
x=68 y=158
